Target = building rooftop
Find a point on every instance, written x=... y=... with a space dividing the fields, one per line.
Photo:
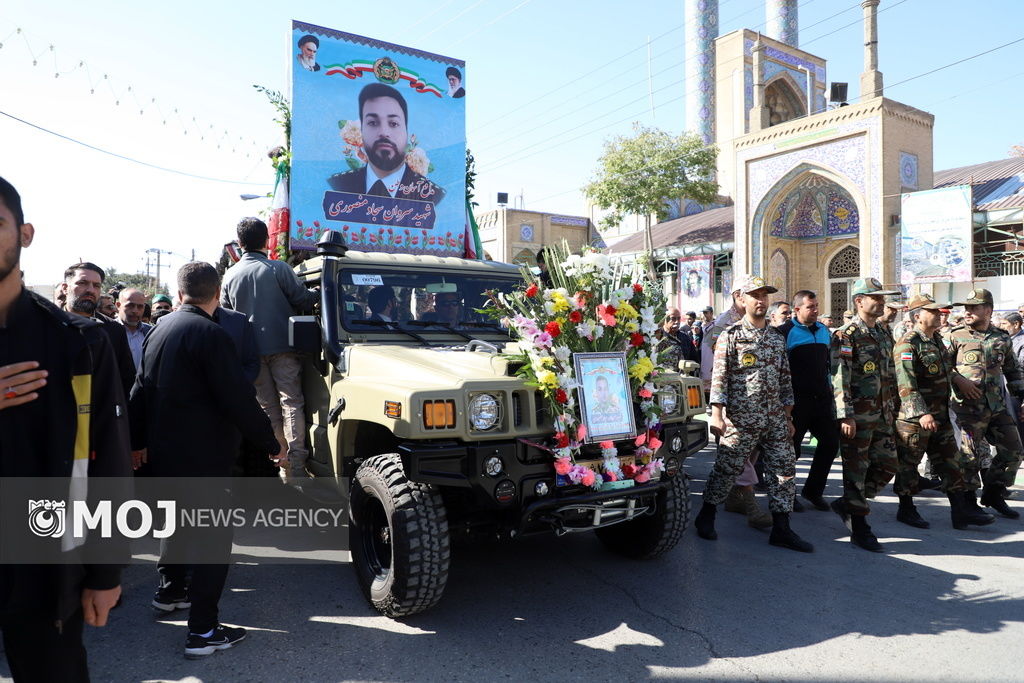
x=997 y=184
x=714 y=225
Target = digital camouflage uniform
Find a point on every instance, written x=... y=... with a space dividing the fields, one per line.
x=864 y=382
x=923 y=377
x=751 y=379
x=984 y=358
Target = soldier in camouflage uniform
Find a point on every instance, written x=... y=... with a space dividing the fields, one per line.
x=864 y=381
x=923 y=370
x=982 y=355
x=751 y=401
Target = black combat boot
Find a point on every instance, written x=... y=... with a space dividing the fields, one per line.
x=971 y=501
x=992 y=496
x=962 y=515
x=862 y=536
x=908 y=513
x=784 y=537
x=705 y=522
x=839 y=507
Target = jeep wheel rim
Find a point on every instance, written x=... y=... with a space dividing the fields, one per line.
x=376 y=538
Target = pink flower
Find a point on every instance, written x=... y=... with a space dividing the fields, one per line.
x=607 y=444
x=581 y=432
x=641 y=440
x=654 y=443
x=588 y=478
x=642 y=477
x=542 y=341
x=562 y=466
x=644 y=393
x=611 y=476
x=606 y=314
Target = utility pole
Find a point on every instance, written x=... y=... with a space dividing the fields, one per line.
x=158 y=252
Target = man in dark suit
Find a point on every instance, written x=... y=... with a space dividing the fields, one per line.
x=384 y=117
x=80 y=292
x=191 y=375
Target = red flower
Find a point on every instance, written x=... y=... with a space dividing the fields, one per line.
x=561 y=440
x=636 y=339
x=298 y=223
x=637 y=287
x=531 y=291
x=629 y=471
x=373 y=239
x=606 y=314
x=575 y=317
x=415 y=240
x=561 y=396
x=316 y=224
x=553 y=328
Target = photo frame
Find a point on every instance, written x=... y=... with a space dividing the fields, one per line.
x=606 y=404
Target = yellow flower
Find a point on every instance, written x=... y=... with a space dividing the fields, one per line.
x=560 y=302
x=626 y=310
x=641 y=368
x=548 y=379
x=631 y=327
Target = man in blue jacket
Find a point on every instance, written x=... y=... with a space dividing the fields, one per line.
x=807 y=344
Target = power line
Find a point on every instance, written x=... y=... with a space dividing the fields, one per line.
x=852 y=23
x=456 y=16
x=121 y=156
x=492 y=22
x=504 y=140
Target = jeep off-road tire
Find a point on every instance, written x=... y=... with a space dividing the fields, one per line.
x=653 y=535
x=398 y=536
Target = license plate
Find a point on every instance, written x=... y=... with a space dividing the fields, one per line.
x=595 y=466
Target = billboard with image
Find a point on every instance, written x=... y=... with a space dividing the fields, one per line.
x=378 y=144
x=936 y=236
x=696 y=286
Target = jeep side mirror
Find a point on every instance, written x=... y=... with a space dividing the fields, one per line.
x=304 y=334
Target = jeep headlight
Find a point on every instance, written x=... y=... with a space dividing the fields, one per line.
x=668 y=399
x=484 y=412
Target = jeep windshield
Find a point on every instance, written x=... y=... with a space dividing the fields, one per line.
x=423 y=302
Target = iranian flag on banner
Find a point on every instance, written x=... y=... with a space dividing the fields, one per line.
x=472 y=236
x=277 y=226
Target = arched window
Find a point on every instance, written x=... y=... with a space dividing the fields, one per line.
x=843 y=269
x=783 y=102
x=815 y=208
x=778 y=275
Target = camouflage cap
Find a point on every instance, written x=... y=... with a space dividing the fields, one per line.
x=752 y=283
x=870 y=285
x=898 y=305
x=923 y=301
x=975 y=297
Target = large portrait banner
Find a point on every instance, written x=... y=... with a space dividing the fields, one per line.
x=696 y=286
x=936 y=235
x=378 y=144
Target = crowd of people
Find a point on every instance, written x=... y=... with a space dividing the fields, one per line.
x=97 y=382
x=879 y=391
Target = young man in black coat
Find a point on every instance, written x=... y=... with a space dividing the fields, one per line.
x=189 y=408
x=62 y=414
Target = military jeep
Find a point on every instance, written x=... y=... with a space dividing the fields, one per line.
x=413 y=408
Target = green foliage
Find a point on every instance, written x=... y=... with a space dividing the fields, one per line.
x=134 y=281
x=470 y=178
x=637 y=173
x=284 y=112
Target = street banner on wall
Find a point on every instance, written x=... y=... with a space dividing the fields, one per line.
x=696 y=288
x=378 y=144
x=936 y=236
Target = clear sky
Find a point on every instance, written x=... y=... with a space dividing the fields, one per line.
x=547 y=82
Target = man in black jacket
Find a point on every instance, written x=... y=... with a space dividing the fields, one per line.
x=807 y=344
x=80 y=291
x=62 y=414
x=191 y=375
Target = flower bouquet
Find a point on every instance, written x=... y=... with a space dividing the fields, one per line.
x=588 y=306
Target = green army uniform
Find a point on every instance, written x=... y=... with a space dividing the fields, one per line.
x=864 y=384
x=923 y=377
x=984 y=357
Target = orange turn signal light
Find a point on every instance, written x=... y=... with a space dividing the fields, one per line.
x=439 y=414
x=392 y=409
x=693 y=396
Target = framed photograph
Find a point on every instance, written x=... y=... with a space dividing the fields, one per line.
x=606 y=405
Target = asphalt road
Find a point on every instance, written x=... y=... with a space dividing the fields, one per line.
x=941 y=604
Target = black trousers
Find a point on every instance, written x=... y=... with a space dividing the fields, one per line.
x=815 y=415
x=38 y=652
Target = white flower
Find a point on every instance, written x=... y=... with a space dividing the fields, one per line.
x=585 y=329
x=598 y=332
x=562 y=353
x=549 y=308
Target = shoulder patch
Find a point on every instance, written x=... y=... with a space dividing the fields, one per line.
x=850 y=329
x=906 y=355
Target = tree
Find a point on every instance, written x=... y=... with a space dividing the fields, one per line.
x=470 y=179
x=637 y=173
x=134 y=281
x=1017 y=150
